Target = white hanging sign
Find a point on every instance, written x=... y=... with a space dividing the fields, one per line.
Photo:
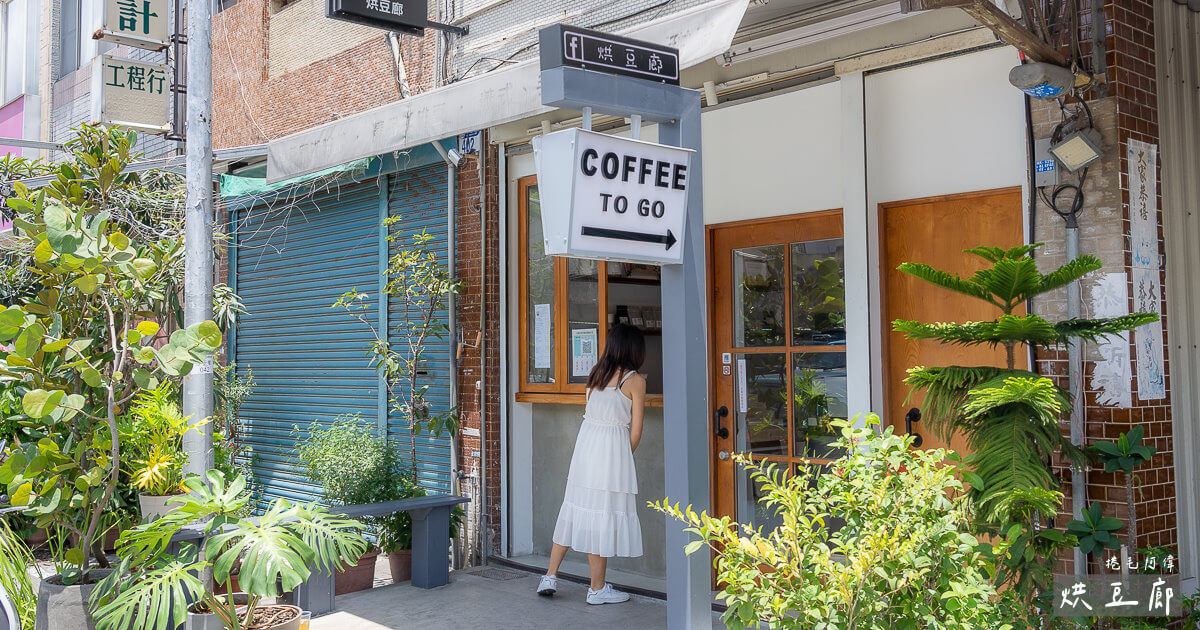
x=1142 y=160
x=130 y=94
x=611 y=198
x=137 y=23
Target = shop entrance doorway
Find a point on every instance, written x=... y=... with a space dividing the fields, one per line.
x=935 y=231
x=779 y=349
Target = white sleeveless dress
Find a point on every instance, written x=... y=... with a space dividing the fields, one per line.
x=599 y=510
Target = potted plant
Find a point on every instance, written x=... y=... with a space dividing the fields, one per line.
x=277 y=552
x=353 y=465
x=85 y=343
x=153 y=432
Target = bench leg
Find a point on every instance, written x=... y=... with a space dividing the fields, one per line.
x=314 y=595
x=430 y=547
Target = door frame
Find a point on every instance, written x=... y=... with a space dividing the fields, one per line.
x=711 y=262
x=880 y=294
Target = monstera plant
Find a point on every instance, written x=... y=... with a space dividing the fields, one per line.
x=87 y=343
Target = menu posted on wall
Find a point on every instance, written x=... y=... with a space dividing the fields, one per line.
x=611 y=198
x=583 y=351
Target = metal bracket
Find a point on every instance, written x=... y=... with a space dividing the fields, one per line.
x=457 y=30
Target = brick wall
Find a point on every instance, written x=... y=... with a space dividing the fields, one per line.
x=1127 y=111
x=257 y=98
x=478 y=268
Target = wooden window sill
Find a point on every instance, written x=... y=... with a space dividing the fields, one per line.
x=652 y=400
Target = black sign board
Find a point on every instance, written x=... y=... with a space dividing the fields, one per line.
x=403 y=16
x=562 y=45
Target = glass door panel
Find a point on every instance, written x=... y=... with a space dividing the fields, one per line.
x=818 y=293
x=818 y=398
x=759 y=300
x=760 y=413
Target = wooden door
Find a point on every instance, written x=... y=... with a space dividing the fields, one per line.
x=778 y=349
x=935 y=231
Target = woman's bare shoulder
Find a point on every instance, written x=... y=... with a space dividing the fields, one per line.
x=635 y=383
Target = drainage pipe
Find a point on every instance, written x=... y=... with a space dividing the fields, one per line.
x=1075 y=379
x=452 y=318
x=481 y=474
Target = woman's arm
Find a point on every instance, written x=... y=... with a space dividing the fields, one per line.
x=635 y=388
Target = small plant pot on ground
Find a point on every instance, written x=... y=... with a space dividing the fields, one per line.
x=400 y=563
x=359 y=577
x=63 y=606
x=154 y=506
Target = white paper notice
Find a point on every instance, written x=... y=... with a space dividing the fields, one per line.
x=541 y=336
x=742 y=402
x=583 y=351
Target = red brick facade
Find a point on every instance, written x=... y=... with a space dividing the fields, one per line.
x=478 y=268
x=1128 y=110
x=251 y=106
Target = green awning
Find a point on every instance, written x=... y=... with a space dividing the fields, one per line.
x=233 y=186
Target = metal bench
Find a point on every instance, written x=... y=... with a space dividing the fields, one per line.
x=430 y=546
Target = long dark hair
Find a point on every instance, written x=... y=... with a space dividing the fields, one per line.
x=624 y=351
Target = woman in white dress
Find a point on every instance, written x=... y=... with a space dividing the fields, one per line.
x=599 y=510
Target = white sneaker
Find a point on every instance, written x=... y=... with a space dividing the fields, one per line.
x=548 y=585
x=606 y=595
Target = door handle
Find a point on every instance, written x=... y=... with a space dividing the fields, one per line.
x=913 y=415
x=719 y=430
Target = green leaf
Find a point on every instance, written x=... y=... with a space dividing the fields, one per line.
x=90 y=376
x=61 y=232
x=11 y=321
x=141 y=377
x=143 y=268
x=132 y=336
x=22 y=494
x=38 y=403
x=87 y=283
x=74 y=556
x=29 y=340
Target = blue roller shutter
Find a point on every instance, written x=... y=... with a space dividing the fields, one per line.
x=292 y=261
x=417 y=198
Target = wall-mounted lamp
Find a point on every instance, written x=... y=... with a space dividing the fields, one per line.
x=1042 y=80
x=1078 y=149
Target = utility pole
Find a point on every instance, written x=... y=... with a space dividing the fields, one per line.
x=198 y=226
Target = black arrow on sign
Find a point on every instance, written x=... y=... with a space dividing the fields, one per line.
x=667 y=239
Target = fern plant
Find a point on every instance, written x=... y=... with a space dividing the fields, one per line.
x=1009 y=417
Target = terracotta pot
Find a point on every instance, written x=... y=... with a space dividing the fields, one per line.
x=38 y=537
x=60 y=606
x=219 y=589
x=359 y=577
x=154 y=506
x=209 y=621
x=401 y=565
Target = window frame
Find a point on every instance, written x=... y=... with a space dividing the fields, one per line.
x=561 y=390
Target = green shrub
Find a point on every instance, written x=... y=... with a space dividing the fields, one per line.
x=903 y=557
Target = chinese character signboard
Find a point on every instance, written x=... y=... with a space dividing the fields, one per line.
x=403 y=16
x=562 y=45
x=611 y=198
x=137 y=23
x=130 y=94
x=1114 y=595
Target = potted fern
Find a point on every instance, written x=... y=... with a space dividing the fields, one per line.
x=1009 y=417
x=154 y=433
x=277 y=552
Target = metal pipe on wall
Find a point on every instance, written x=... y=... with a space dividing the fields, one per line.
x=1075 y=382
x=452 y=318
x=481 y=474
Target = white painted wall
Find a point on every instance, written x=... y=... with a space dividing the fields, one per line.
x=949 y=126
x=774 y=156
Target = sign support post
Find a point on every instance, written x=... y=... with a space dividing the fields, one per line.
x=685 y=384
